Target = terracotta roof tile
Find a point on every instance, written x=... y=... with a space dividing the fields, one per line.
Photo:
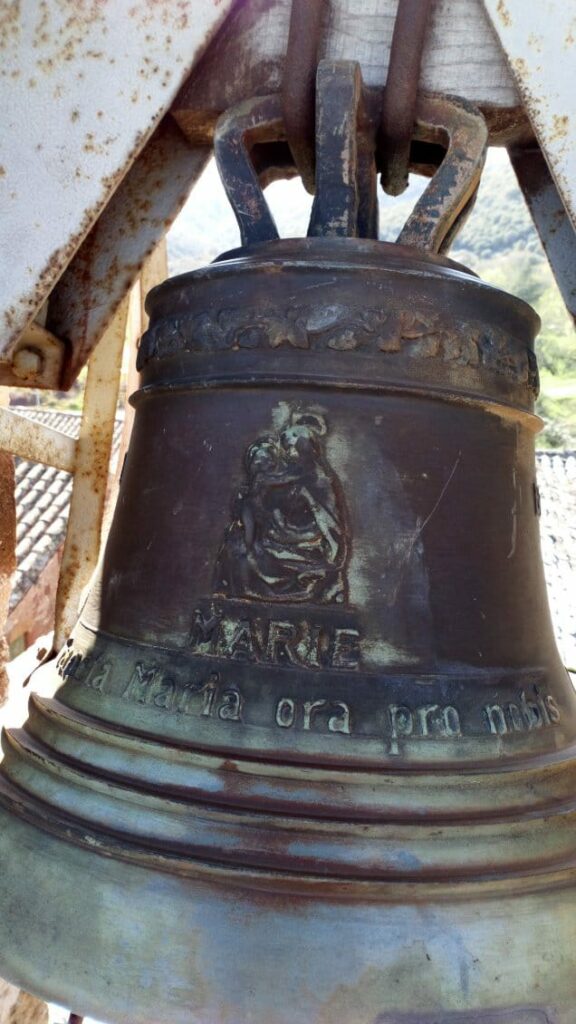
x=42 y=500
x=557 y=484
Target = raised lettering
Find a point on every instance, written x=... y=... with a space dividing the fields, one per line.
x=231 y=707
x=140 y=682
x=340 y=721
x=515 y=717
x=285 y=713
x=241 y=644
x=310 y=708
x=209 y=695
x=165 y=695
x=531 y=712
x=346 y=649
x=424 y=715
x=496 y=719
x=99 y=675
x=401 y=724
x=451 y=720
x=281 y=637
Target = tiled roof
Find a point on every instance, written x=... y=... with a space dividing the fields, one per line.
x=43 y=496
x=42 y=501
x=557 y=483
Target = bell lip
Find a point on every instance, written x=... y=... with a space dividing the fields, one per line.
x=352 y=252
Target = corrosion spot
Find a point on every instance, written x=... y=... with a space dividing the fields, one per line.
x=560 y=124
x=504 y=13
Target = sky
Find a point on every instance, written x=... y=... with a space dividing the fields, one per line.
x=206 y=225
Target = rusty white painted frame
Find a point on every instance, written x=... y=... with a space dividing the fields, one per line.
x=82 y=89
x=91 y=462
x=87 y=458
x=539 y=40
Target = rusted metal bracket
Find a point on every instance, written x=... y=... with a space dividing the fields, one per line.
x=105 y=267
x=345 y=202
x=441 y=210
x=35 y=360
x=400 y=104
x=256 y=120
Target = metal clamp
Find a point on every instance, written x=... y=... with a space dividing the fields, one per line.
x=345 y=202
x=237 y=130
x=443 y=208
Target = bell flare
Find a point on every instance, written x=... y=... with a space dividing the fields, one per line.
x=312 y=739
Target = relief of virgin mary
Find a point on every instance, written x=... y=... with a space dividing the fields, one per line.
x=288 y=539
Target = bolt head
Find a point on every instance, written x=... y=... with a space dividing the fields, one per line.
x=27 y=364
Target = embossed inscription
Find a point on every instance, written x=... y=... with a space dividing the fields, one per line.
x=224 y=630
x=522 y=715
x=396 y=333
x=209 y=694
x=150 y=685
x=308 y=714
x=289 y=538
x=426 y=720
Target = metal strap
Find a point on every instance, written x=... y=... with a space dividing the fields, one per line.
x=299 y=85
x=399 y=106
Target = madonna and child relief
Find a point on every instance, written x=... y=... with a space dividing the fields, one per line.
x=289 y=536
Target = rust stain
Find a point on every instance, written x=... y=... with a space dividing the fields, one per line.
x=560 y=126
x=9 y=23
x=504 y=13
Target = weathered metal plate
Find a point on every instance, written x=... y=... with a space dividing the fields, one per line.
x=539 y=40
x=136 y=218
x=82 y=88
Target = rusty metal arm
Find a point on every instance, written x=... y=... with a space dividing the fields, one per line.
x=556 y=230
x=36 y=441
x=86 y=523
x=93 y=449
x=440 y=211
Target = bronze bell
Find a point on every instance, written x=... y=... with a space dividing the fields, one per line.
x=312 y=758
